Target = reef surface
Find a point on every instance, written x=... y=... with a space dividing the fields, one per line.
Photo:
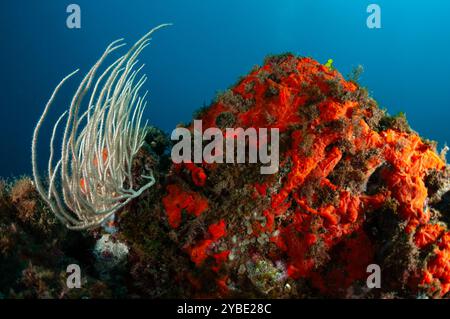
x=355 y=187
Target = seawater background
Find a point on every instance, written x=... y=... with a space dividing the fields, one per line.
x=212 y=43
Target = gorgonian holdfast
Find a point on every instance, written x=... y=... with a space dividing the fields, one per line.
x=93 y=178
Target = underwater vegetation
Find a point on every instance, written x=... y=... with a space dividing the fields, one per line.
x=97 y=155
x=355 y=187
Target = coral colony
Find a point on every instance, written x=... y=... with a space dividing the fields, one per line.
x=347 y=189
x=96 y=160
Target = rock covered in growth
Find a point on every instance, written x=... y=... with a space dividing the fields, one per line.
x=355 y=187
x=35 y=249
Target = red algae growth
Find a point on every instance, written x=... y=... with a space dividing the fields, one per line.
x=353 y=189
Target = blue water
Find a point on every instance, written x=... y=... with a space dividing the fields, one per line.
x=212 y=43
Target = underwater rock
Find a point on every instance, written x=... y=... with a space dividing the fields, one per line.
x=109 y=253
x=351 y=191
x=35 y=249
